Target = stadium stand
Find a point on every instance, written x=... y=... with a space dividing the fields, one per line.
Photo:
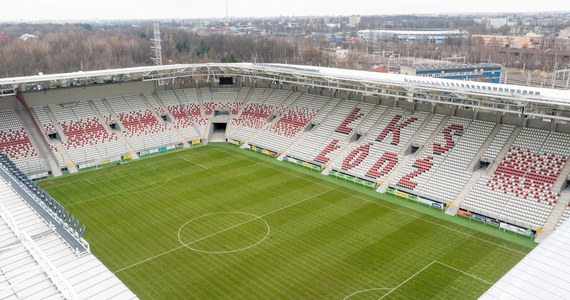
x=85 y=138
x=221 y=99
x=498 y=142
x=329 y=139
x=15 y=142
x=184 y=115
x=383 y=146
x=292 y=117
x=36 y=261
x=415 y=152
x=141 y=127
x=49 y=128
x=256 y=113
x=520 y=190
x=448 y=157
x=192 y=103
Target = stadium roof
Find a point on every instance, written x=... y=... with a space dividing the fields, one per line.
x=543 y=274
x=531 y=101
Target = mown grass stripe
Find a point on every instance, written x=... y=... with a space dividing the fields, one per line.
x=328 y=239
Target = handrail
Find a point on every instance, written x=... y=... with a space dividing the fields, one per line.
x=47 y=266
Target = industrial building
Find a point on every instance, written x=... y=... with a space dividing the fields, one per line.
x=483 y=72
x=428 y=36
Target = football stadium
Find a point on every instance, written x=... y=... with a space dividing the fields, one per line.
x=275 y=181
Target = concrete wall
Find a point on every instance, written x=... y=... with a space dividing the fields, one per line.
x=8 y=103
x=314 y=91
x=513 y=120
x=423 y=107
x=190 y=85
x=328 y=93
x=355 y=96
x=565 y=128
x=538 y=124
x=287 y=87
x=274 y=86
x=341 y=95
x=371 y=99
x=444 y=110
x=248 y=84
x=485 y=116
x=465 y=113
x=260 y=84
x=67 y=95
x=302 y=89
x=390 y=102
x=405 y=105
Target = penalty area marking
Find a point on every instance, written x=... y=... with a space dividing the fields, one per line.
x=199 y=165
x=429 y=265
x=187 y=245
x=409 y=278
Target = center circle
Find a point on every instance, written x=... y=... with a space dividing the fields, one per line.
x=223 y=232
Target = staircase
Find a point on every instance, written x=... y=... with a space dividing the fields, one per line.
x=452 y=209
x=416 y=135
x=71 y=167
x=297 y=141
x=119 y=134
x=503 y=152
x=384 y=114
x=201 y=103
x=37 y=137
x=59 y=146
x=56 y=125
x=473 y=165
x=159 y=119
x=342 y=155
x=348 y=148
x=386 y=183
x=555 y=215
x=429 y=142
x=328 y=114
x=560 y=182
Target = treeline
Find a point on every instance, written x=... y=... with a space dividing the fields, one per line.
x=80 y=47
x=71 y=50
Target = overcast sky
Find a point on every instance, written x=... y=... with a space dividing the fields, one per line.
x=14 y=10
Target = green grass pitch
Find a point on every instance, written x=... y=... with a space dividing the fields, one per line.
x=217 y=222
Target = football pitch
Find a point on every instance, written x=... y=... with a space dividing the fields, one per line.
x=217 y=222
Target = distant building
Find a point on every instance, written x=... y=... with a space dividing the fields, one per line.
x=553 y=43
x=483 y=72
x=509 y=41
x=28 y=37
x=497 y=23
x=206 y=31
x=427 y=36
x=353 y=21
x=565 y=32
